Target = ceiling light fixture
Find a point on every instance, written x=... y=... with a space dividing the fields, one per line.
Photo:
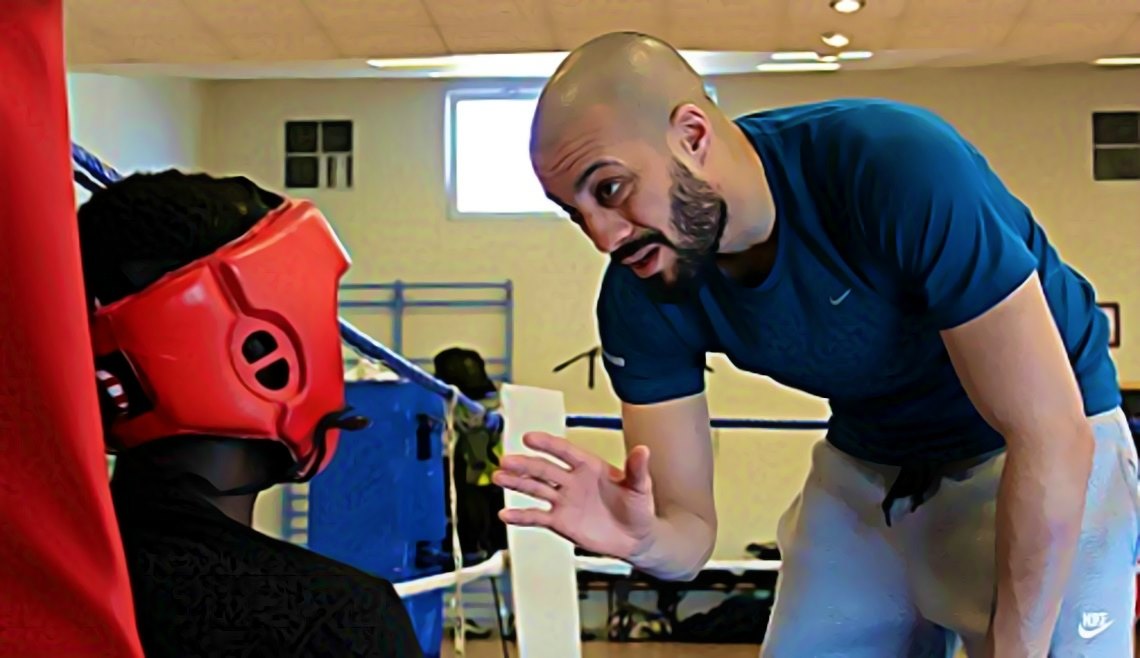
x=506 y=65
x=809 y=56
x=834 y=39
x=847 y=6
x=797 y=67
x=795 y=56
x=1118 y=61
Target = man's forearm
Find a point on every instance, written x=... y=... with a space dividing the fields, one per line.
x=1040 y=504
x=678 y=548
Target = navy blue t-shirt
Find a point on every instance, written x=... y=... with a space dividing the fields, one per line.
x=890 y=227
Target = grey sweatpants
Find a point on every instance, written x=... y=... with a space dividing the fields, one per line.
x=852 y=587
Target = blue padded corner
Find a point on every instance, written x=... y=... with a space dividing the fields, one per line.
x=379 y=505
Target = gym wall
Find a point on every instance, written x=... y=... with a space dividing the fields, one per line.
x=1034 y=125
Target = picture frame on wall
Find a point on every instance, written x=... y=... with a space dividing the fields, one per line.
x=1111 y=310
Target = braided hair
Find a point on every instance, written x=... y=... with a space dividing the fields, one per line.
x=148 y=224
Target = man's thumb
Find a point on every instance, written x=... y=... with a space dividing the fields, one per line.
x=637 y=470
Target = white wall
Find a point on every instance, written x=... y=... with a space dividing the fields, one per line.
x=138 y=123
x=1034 y=125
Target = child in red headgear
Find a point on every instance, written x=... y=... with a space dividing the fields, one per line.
x=205 y=583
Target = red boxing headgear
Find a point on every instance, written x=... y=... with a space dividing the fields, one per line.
x=243 y=343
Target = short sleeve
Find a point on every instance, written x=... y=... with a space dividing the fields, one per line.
x=931 y=207
x=644 y=356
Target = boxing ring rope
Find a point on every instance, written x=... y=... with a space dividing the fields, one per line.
x=614 y=423
x=92 y=174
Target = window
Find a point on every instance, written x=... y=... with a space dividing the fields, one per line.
x=489 y=172
x=1116 y=146
x=318 y=154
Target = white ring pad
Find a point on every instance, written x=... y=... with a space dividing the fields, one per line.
x=544 y=581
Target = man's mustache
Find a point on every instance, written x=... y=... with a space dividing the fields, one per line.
x=637 y=244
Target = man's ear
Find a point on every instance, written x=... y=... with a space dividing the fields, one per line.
x=694 y=129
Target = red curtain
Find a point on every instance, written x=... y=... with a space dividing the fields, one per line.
x=64 y=590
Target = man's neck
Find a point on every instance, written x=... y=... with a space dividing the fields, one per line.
x=751 y=208
x=225 y=464
x=748 y=249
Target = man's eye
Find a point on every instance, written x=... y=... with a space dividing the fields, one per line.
x=608 y=190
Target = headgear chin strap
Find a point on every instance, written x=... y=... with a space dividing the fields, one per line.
x=242 y=343
x=299 y=472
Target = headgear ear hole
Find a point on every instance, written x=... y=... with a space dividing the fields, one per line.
x=257 y=346
x=120 y=386
x=274 y=376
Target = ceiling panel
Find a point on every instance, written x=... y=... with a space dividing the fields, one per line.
x=744 y=13
x=461 y=39
x=576 y=21
x=1129 y=42
x=902 y=32
x=84 y=47
x=281 y=47
x=1065 y=8
x=570 y=36
x=242 y=17
x=1066 y=34
x=486 y=13
x=121 y=18
x=361 y=16
x=600 y=13
x=405 y=42
x=864 y=31
x=921 y=34
x=971 y=9
x=875 y=10
x=172 y=48
x=724 y=37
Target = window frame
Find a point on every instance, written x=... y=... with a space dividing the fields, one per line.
x=515 y=90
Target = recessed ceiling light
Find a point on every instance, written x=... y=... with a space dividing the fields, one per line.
x=856 y=54
x=1118 y=61
x=797 y=67
x=829 y=58
x=847 y=6
x=795 y=56
x=834 y=39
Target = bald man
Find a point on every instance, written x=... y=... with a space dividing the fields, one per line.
x=977 y=478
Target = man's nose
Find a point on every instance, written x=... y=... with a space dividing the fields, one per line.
x=608 y=230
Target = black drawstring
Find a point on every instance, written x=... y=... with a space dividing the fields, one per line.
x=914 y=481
x=300 y=471
x=336 y=420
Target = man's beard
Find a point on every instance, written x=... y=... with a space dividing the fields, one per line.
x=698 y=214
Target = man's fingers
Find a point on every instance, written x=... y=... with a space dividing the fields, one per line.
x=558 y=447
x=527 y=517
x=529 y=486
x=537 y=468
